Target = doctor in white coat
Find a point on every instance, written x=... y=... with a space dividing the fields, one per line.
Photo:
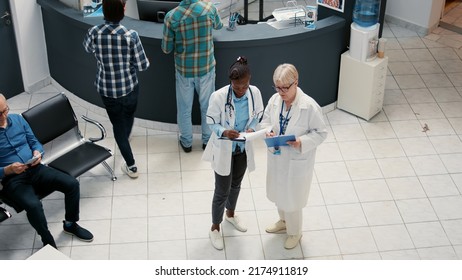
x=290 y=168
x=233 y=109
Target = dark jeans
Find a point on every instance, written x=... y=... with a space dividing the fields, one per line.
x=121 y=113
x=22 y=189
x=227 y=188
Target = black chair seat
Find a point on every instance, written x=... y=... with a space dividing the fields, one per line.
x=77 y=161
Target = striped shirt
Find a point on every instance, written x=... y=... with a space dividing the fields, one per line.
x=119 y=53
x=188 y=31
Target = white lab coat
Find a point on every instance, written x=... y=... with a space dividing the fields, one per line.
x=219 y=152
x=289 y=174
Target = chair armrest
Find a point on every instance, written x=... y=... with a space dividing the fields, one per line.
x=100 y=126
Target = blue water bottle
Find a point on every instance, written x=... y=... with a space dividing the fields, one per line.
x=366 y=12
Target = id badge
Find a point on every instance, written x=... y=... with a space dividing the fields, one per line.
x=276 y=151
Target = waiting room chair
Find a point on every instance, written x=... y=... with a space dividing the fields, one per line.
x=55 y=125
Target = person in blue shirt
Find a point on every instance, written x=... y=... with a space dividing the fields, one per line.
x=233 y=109
x=20 y=180
x=119 y=55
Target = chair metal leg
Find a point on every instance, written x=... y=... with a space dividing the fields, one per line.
x=109 y=169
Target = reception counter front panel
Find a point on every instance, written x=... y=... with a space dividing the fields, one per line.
x=316 y=54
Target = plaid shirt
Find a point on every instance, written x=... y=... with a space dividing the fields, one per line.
x=119 y=53
x=188 y=31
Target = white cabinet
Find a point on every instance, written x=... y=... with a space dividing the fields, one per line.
x=361 y=86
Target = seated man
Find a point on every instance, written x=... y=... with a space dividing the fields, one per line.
x=21 y=179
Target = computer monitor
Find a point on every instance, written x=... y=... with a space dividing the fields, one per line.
x=155 y=10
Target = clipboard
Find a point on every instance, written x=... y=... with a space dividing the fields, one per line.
x=248 y=136
x=238 y=139
x=278 y=141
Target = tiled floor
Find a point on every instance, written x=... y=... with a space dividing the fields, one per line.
x=384 y=189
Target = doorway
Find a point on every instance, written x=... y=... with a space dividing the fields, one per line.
x=451 y=18
x=11 y=83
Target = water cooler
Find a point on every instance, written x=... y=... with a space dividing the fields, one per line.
x=365 y=30
x=362 y=75
x=363 y=41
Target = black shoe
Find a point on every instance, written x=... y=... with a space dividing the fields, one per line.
x=204 y=146
x=78 y=231
x=185 y=149
x=4 y=214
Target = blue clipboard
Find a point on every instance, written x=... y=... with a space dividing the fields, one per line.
x=278 y=141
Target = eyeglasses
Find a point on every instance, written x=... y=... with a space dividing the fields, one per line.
x=4 y=112
x=283 y=89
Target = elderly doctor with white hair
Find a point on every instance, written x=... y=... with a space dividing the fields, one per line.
x=290 y=168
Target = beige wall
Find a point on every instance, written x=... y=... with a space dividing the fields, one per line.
x=419 y=15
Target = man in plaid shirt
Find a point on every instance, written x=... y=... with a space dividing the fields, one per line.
x=119 y=54
x=188 y=32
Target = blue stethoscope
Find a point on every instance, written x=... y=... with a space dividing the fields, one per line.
x=230 y=108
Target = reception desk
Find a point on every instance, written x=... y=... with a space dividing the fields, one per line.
x=316 y=54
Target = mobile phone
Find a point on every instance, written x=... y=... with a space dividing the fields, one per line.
x=33 y=159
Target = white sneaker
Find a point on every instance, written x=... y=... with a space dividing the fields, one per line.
x=278 y=227
x=292 y=241
x=216 y=239
x=236 y=222
x=132 y=172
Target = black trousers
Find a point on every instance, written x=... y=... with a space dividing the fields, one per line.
x=22 y=189
x=227 y=188
x=121 y=113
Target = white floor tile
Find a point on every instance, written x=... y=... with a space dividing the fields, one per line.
x=346 y=215
x=166 y=228
x=364 y=169
x=355 y=240
x=165 y=204
x=128 y=251
x=381 y=213
x=164 y=182
x=427 y=234
x=338 y=193
x=129 y=230
x=273 y=248
x=437 y=253
x=316 y=218
x=427 y=165
x=378 y=130
x=197 y=202
x=386 y=148
x=202 y=249
x=449 y=207
x=396 y=167
x=400 y=255
x=167 y=250
x=319 y=244
x=438 y=185
x=392 y=238
x=247 y=247
x=417 y=146
x=355 y=150
x=416 y=210
x=372 y=190
x=453 y=229
x=405 y=188
x=331 y=172
x=91 y=252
